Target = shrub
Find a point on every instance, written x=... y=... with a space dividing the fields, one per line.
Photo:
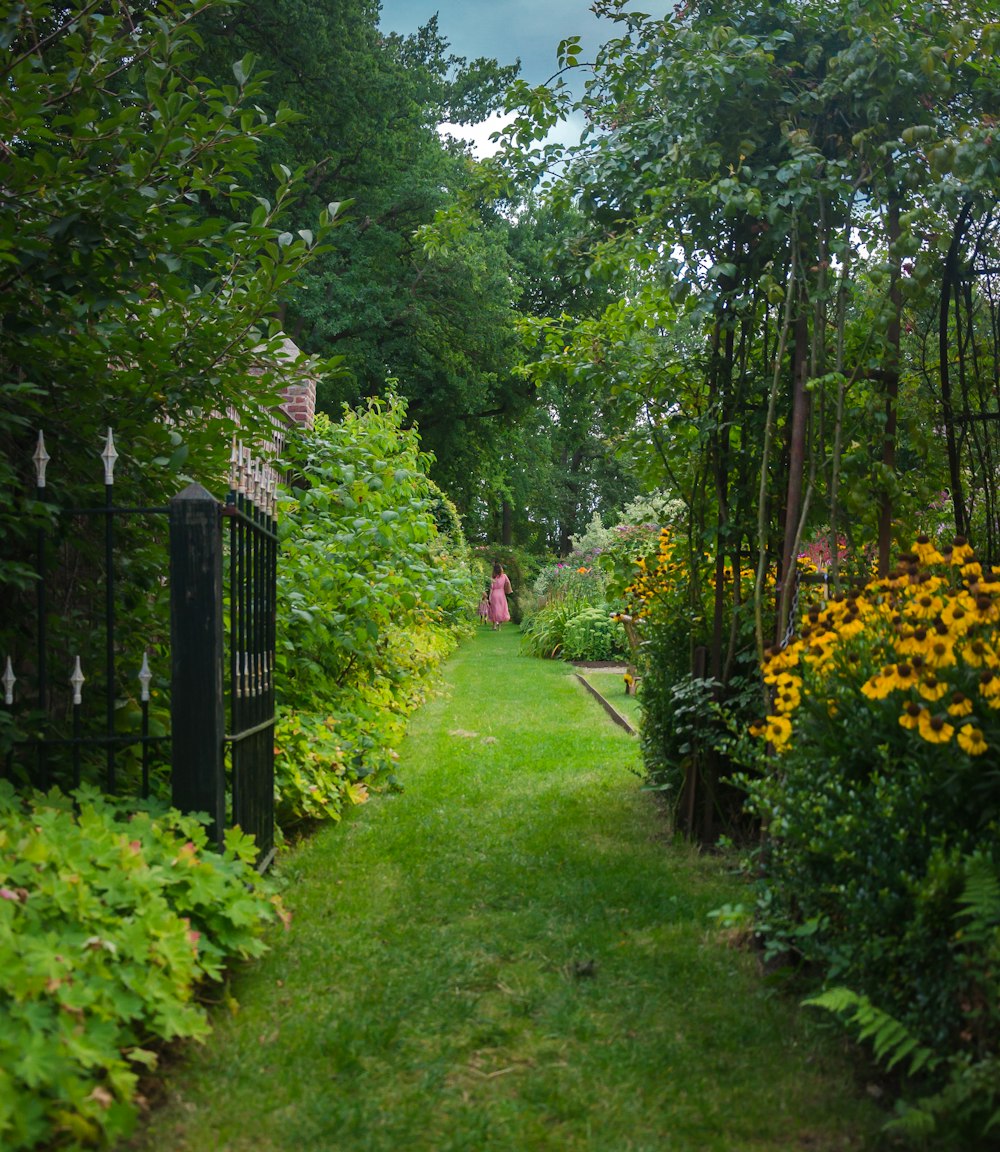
x=886 y=725
x=592 y=634
x=374 y=586
x=108 y=923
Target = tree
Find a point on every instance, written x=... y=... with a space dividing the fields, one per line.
x=417 y=285
x=138 y=273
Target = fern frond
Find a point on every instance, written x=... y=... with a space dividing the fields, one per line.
x=892 y=1042
x=980 y=899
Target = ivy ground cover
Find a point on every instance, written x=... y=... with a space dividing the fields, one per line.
x=508 y=955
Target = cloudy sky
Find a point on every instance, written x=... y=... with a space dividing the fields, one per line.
x=529 y=30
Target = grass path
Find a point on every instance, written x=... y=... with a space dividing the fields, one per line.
x=508 y=957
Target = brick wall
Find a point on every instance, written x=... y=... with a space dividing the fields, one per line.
x=298 y=399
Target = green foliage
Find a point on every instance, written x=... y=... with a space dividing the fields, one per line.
x=109 y=920
x=880 y=870
x=571 y=617
x=891 y=1043
x=139 y=271
x=371 y=593
x=593 y=634
x=417 y=285
x=544 y=632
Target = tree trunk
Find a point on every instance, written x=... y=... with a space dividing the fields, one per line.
x=796 y=467
x=891 y=397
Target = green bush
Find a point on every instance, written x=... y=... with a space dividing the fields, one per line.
x=374 y=587
x=109 y=920
x=883 y=810
x=544 y=633
x=593 y=635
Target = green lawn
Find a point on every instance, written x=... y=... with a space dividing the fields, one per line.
x=509 y=956
x=611 y=686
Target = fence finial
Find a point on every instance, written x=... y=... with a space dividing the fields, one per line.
x=76 y=680
x=109 y=456
x=8 y=681
x=145 y=677
x=41 y=458
x=243 y=468
x=234 y=466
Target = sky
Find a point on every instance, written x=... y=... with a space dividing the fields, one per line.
x=529 y=30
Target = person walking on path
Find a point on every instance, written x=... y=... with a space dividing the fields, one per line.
x=484 y=608
x=500 y=589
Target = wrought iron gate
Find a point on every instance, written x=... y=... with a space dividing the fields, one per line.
x=220 y=685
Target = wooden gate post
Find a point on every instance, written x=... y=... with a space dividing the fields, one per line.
x=197 y=707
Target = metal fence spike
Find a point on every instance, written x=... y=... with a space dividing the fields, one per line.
x=76 y=680
x=8 y=680
x=234 y=465
x=145 y=677
x=109 y=456
x=41 y=458
x=257 y=482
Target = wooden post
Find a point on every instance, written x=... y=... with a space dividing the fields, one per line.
x=196 y=644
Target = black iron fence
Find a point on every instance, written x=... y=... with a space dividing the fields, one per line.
x=185 y=712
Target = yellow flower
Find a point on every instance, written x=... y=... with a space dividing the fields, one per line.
x=978 y=654
x=971 y=740
x=911 y=715
x=962 y=552
x=778 y=731
x=903 y=676
x=879 y=686
x=926 y=607
x=960 y=705
x=934 y=729
x=787 y=700
x=926 y=552
x=989 y=685
x=931 y=688
x=915 y=643
x=986 y=607
x=940 y=653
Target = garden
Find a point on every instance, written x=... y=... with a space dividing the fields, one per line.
x=715 y=383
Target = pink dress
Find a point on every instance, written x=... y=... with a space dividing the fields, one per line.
x=499 y=587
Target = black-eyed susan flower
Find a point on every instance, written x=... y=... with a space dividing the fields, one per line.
x=926 y=551
x=911 y=715
x=959 y=705
x=940 y=653
x=902 y=676
x=926 y=606
x=971 y=740
x=934 y=729
x=879 y=686
x=962 y=552
x=931 y=688
x=979 y=654
x=778 y=731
